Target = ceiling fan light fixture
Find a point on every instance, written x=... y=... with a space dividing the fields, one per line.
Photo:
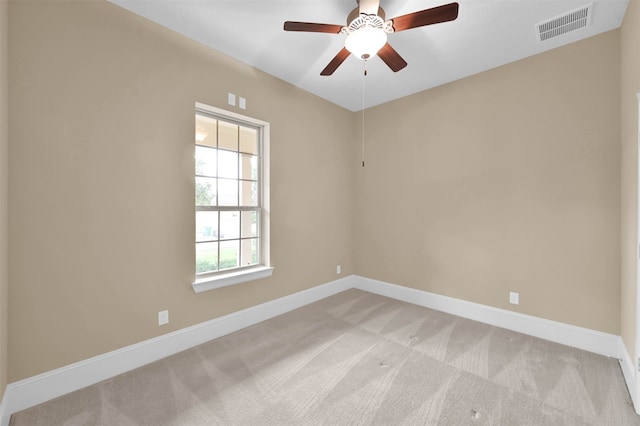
x=365 y=42
x=367 y=30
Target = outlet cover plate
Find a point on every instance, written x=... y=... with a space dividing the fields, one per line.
x=163 y=317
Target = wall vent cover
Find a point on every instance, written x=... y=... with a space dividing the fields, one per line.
x=567 y=22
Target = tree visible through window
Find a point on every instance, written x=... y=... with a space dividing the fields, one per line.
x=228 y=194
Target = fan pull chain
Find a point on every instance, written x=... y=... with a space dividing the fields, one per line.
x=364 y=74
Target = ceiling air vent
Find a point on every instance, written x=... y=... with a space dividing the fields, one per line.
x=570 y=21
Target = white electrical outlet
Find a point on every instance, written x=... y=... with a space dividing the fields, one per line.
x=231 y=99
x=242 y=103
x=514 y=298
x=163 y=317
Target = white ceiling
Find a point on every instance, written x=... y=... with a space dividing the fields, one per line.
x=487 y=34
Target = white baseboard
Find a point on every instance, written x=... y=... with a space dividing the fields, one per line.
x=629 y=373
x=43 y=387
x=570 y=335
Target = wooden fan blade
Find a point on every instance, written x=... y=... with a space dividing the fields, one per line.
x=312 y=27
x=435 y=15
x=336 y=62
x=392 y=58
x=369 y=7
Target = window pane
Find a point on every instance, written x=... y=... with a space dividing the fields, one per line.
x=248 y=193
x=206 y=130
x=228 y=136
x=228 y=192
x=228 y=164
x=248 y=167
x=229 y=225
x=205 y=191
x=206 y=226
x=249 y=253
x=249 y=224
x=205 y=161
x=229 y=254
x=206 y=257
x=255 y=250
x=248 y=140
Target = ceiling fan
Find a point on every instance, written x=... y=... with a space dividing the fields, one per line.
x=367 y=31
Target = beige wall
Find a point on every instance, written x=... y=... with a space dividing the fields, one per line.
x=630 y=86
x=504 y=181
x=101 y=187
x=4 y=175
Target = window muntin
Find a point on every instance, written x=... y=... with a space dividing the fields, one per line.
x=228 y=194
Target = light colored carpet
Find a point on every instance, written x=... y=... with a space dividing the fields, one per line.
x=358 y=359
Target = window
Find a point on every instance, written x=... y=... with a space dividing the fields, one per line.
x=231 y=198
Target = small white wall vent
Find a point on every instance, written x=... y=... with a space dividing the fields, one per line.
x=567 y=22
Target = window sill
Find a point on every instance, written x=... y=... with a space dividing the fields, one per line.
x=232 y=278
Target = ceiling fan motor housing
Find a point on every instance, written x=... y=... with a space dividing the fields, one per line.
x=357 y=20
x=355 y=13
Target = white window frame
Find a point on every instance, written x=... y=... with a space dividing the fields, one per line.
x=264 y=269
